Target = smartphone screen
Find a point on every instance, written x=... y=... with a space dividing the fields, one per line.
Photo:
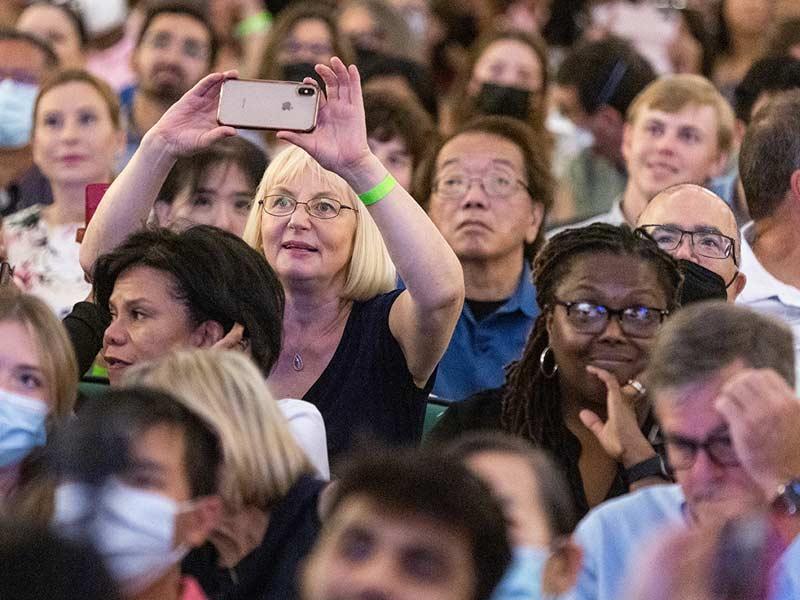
x=276 y=105
x=94 y=194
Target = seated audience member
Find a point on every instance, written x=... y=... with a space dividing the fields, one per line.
x=487 y=189
x=158 y=499
x=161 y=293
x=769 y=166
x=399 y=131
x=60 y=24
x=538 y=508
x=38 y=387
x=176 y=47
x=77 y=136
x=594 y=86
x=698 y=229
x=213 y=186
x=26 y=61
x=363 y=352
x=720 y=376
x=604 y=292
x=408 y=525
x=268 y=489
x=767 y=78
x=374 y=27
x=39 y=564
x=678 y=130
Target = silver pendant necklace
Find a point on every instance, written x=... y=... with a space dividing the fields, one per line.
x=297 y=359
x=297 y=362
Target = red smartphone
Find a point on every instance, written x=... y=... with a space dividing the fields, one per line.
x=94 y=194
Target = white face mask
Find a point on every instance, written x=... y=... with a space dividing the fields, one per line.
x=22 y=426
x=16 y=112
x=132 y=529
x=101 y=16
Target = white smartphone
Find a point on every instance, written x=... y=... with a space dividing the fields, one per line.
x=262 y=104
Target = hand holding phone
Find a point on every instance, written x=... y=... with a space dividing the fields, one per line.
x=273 y=105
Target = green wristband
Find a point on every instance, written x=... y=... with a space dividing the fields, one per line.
x=257 y=23
x=379 y=192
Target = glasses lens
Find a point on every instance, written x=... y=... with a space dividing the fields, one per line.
x=640 y=321
x=279 y=206
x=587 y=317
x=711 y=245
x=498 y=184
x=323 y=208
x=667 y=238
x=722 y=451
x=452 y=185
x=680 y=454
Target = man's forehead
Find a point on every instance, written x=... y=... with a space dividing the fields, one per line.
x=478 y=150
x=166 y=22
x=693 y=210
x=694 y=114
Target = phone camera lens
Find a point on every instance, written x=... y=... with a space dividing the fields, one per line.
x=306 y=91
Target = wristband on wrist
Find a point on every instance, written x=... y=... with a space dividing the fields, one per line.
x=379 y=192
x=257 y=23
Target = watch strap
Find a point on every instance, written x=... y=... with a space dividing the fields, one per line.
x=652 y=467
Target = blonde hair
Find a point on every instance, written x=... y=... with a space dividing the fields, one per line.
x=371 y=271
x=671 y=93
x=261 y=459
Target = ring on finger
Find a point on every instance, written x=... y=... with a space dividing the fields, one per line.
x=637 y=385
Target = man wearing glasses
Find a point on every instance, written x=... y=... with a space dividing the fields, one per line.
x=720 y=378
x=176 y=48
x=487 y=190
x=692 y=223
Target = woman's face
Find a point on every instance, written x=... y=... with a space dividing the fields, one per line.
x=222 y=199
x=74 y=140
x=51 y=24
x=309 y=41
x=147 y=320
x=508 y=63
x=394 y=155
x=616 y=282
x=20 y=368
x=302 y=248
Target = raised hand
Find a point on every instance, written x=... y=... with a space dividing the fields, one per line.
x=339 y=141
x=620 y=435
x=191 y=123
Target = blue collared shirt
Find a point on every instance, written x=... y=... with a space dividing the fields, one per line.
x=479 y=350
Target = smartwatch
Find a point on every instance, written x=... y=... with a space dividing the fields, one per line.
x=652 y=467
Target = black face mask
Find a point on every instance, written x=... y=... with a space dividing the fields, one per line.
x=506 y=101
x=700 y=284
x=297 y=71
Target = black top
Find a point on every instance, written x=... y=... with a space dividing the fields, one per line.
x=86 y=325
x=269 y=571
x=483 y=411
x=367 y=391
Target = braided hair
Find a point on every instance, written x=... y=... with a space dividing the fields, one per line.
x=531 y=402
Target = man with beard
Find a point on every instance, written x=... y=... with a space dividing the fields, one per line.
x=177 y=47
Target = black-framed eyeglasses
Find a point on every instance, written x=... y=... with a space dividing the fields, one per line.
x=496 y=184
x=682 y=451
x=635 y=321
x=705 y=243
x=281 y=205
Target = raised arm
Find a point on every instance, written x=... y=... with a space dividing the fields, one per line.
x=188 y=125
x=422 y=319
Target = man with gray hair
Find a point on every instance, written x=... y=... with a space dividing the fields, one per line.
x=720 y=375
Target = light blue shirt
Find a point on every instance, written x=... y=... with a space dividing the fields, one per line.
x=479 y=350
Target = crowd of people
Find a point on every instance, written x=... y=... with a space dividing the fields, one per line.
x=519 y=318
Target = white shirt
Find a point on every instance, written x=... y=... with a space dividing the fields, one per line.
x=768 y=295
x=308 y=429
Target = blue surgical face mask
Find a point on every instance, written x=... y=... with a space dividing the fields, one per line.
x=523 y=577
x=132 y=529
x=22 y=426
x=16 y=112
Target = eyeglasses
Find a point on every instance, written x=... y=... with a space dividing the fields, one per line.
x=705 y=243
x=496 y=184
x=190 y=47
x=635 y=321
x=682 y=451
x=281 y=205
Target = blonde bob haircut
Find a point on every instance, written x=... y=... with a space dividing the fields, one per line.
x=671 y=93
x=54 y=349
x=371 y=271
x=261 y=459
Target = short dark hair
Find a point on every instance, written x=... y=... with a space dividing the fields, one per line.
x=109 y=424
x=705 y=337
x=767 y=75
x=390 y=116
x=770 y=153
x=13 y=35
x=440 y=488
x=188 y=10
x=217 y=276
x=189 y=171
x=554 y=493
x=607 y=72
x=537 y=164
x=37 y=563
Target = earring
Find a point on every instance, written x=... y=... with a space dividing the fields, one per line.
x=542 y=359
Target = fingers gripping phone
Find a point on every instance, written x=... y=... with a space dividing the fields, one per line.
x=261 y=104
